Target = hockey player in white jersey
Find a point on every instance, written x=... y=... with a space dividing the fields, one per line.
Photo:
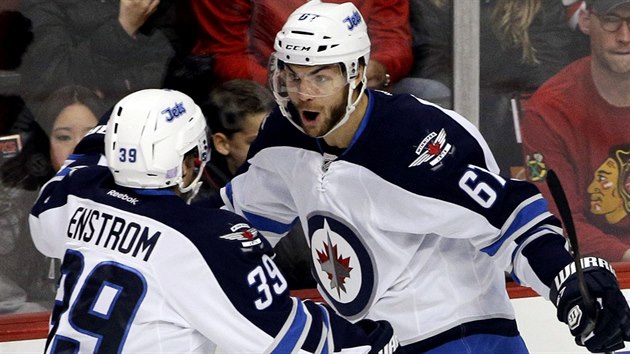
x=402 y=205
x=144 y=272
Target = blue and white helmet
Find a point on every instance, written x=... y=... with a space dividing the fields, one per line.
x=148 y=134
x=320 y=33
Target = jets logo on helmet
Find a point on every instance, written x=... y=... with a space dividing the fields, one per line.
x=174 y=112
x=354 y=20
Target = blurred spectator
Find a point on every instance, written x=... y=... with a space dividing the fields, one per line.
x=234 y=111
x=15 y=37
x=25 y=285
x=522 y=43
x=67 y=115
x=17 y=128
x=27 y=279
x=113 y=47
x=239 y=34
x=577 y=124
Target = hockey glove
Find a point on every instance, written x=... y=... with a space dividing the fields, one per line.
x=382 y=337
x=610 y=326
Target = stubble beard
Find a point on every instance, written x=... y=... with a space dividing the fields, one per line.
x=337 y=112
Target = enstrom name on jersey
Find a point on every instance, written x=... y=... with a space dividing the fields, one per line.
x=112 y=232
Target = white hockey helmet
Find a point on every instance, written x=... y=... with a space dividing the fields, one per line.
x=320 y=33
x=148 y=134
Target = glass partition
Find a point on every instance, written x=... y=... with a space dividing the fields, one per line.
x=484 y=59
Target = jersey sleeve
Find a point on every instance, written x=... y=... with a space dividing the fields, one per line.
x=527 y=240
x=238 y=298
x=522 y=235
x=268 y=205
x=464 y=196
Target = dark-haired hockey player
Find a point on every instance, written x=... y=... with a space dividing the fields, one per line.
x=144 y=272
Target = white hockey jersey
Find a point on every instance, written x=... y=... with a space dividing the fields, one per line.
x=143 y=272
x=411 y=223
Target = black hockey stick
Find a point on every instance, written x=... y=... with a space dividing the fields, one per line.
x=567 y=220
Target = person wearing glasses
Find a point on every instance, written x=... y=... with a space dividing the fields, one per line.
x=573 y=121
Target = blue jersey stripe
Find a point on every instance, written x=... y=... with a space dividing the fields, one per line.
x=265 y=224
x=327 y=327
x=228 y=192
x=524 y=216
x=293 y=334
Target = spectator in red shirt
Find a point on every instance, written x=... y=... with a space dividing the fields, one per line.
x=239 y=34
x=577 y=124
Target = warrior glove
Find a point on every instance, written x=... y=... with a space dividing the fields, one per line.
x=609 y=326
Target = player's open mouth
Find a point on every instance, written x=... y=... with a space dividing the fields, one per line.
x=310 y=116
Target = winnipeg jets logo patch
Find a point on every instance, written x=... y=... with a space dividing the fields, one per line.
x=334 y=264
x=432 y=149
x=342 y=265
x=248 y=237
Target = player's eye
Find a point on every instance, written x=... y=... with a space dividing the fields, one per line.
x=293 y=78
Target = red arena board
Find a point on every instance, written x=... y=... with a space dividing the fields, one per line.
x=35 y=325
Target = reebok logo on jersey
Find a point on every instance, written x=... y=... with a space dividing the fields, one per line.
x=432 y=149
x=123 y=196
x=248 y=237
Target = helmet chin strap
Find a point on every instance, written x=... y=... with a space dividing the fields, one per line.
x=194 y=186
x=350 y=106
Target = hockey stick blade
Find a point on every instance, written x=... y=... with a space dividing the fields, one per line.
x=567 y=220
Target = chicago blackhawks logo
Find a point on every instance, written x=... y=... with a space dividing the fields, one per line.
x=609 y=189
x=341 y=265
x=537 y=167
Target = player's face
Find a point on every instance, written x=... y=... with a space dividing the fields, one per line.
x=319 y=109
x=188 y=171
x=70 y=126
x=610 y=49
x=604 y=192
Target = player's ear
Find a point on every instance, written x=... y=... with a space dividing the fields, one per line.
x=221 y=143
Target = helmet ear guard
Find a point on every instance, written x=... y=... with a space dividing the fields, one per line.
x=149 y=133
